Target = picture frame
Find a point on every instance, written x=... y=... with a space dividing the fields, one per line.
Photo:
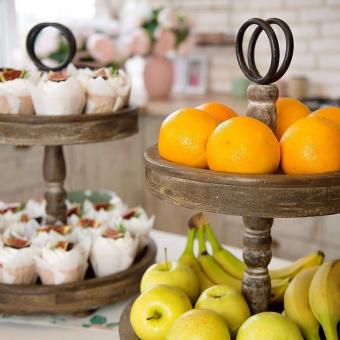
x=190 y=75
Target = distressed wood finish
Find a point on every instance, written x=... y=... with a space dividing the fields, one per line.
x=72 y=129
x=125 y=329
x=86 y=295
x=257 y=241
x=273 y=195
x=256 y=284
x=54 y=170
x=262 y=103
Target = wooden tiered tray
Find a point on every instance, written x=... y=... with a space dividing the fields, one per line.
x=53 y=132
x=258 y=198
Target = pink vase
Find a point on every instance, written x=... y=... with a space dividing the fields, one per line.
x=158 y=76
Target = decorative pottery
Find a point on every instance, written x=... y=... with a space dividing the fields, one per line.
x=158 y=76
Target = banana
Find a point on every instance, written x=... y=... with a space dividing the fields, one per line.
x=230 y=263
x=324 y=297
x=313 y=259
x=296 y=304
x=211 y=268
x=189 y=259
x=278 y=289
x=235 y=267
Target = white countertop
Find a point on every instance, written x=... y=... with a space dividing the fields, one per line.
x=35 y=328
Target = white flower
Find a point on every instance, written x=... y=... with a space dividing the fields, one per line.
x=167 y=18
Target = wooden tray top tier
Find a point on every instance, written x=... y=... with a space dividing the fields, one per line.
x=70 y=129
x=274 y=195
x=86 y=295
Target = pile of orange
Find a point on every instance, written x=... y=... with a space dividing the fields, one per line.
x=213 y=136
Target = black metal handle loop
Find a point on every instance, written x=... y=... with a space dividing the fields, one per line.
x=32 y=36
x=274 y=73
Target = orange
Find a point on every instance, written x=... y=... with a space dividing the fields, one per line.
x=289 y=110
x=331 y=113
x=218 y=110
x=311 y=146
x=243 y=145
x=183 y=137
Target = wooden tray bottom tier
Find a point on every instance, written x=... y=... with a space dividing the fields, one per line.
x=76 y=297
x=125 y=329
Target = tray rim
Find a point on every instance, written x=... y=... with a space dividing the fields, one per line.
x=124 y=320
x=68 y=129
x=51 y=119
x=268 y=196
x=154 y=161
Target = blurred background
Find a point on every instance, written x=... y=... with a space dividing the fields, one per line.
x=177 y=53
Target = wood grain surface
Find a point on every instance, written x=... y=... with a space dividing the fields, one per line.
x=273 y=195
x=125 y=329
x=70 y=129
x=86 y=295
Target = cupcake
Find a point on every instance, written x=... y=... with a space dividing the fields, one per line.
x=137 y=222
x=15 y=97
x=112 y=252
x=60 y=262
x=58 y=93
x=107 y=90
x=17 y=258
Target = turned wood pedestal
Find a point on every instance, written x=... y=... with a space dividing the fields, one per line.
x=53 y=132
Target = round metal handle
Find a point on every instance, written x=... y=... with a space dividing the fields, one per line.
x=32 y=36
x=274 y=73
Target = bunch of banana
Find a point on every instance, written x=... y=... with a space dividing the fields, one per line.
x=209 y=271
x=234 y=266
x=324 y=297
x=313 y=299
x=296 y=304
x=188 y=258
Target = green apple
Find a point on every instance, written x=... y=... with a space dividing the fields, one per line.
x=228 y=303
x=199 y=324
x=175 y=274
x=154 y=312
x=269 y=326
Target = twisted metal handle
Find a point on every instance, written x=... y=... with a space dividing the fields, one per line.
x=31 y=39
x=274 y=73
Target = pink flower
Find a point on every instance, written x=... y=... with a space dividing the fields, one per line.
x=101 y=48
x=168 y=19
x=187 y=45
x=140 y=43
x=165 y=41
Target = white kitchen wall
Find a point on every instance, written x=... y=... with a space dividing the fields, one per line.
x=315 y=25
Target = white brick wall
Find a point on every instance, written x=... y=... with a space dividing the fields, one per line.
x=315 y=25
x=316 y=28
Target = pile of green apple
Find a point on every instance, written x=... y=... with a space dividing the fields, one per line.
x=199 y=298
x=178 y=302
